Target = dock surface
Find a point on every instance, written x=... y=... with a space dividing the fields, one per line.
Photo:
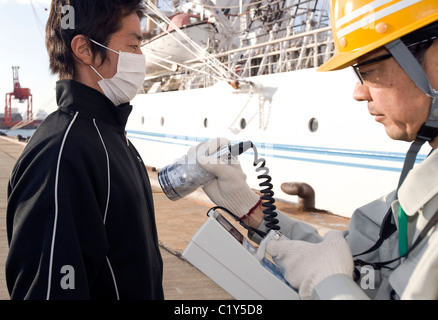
x=177 y=222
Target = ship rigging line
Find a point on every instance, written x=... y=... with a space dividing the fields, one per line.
x=236 y=7
x=215 y=65
x=38 y=21
x=181 y=65
x=212 y=62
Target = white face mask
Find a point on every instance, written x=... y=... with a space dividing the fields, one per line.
x=131 y=71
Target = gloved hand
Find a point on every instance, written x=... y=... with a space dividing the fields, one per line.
x=305 y=264
x=229 y=189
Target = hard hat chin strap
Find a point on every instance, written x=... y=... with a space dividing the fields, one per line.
x=429 y=130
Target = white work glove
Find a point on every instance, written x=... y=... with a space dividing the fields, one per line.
x=229 y=189
x=305 y=264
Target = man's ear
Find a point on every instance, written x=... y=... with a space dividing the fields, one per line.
x=81 y=50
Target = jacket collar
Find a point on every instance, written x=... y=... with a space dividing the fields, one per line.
x=91 y=103
x=420 y=185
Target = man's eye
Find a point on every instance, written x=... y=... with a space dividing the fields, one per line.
x=365 y=74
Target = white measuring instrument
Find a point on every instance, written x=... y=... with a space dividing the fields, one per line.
x=222 y=253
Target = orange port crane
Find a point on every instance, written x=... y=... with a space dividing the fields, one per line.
x=19 y=93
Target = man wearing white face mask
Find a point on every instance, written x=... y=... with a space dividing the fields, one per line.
x=123 y=87
x=80 y=216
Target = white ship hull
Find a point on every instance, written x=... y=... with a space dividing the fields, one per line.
x=348 y=160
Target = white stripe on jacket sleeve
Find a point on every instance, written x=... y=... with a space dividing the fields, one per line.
x=52 y=248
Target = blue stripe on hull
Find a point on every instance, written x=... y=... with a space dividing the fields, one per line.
x=360 y=154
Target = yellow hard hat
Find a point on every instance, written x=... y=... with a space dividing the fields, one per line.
x=361 y=26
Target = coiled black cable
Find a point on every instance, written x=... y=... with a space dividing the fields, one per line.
x=267 y=193
x=267 y=196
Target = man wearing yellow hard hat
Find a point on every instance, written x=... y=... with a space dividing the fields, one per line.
x=391 y=248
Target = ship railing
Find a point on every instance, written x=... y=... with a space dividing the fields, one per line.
x=299 y=51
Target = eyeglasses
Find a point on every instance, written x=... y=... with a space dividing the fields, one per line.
x=356 y=67
x=415 y=48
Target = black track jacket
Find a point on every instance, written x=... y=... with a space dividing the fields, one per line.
x=80 y=216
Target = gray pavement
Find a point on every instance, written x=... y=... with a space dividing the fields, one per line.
x=9 y=152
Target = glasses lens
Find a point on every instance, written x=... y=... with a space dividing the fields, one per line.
x=357 y=66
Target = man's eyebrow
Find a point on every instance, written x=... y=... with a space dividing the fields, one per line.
x=136 y=35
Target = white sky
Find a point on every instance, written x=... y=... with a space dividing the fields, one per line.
x=22 y=44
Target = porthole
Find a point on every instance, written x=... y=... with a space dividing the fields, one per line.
x=205 y=122
x=242 y=123
x=313 y=125
x=162 y=121
x=142 y=120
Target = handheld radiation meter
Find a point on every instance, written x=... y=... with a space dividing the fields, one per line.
x=226 y=256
